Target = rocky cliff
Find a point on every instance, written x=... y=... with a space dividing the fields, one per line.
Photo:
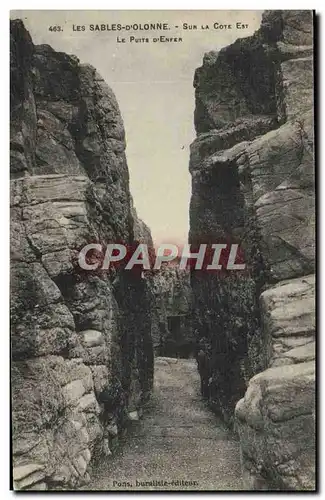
x=252 y=167
x=82 y=357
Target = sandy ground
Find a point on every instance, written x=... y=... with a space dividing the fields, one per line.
x=178 y=445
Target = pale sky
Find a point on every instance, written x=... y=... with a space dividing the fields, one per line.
x=153 y=83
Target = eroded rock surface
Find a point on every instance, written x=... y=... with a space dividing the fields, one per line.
x=82 y=357
x=276 y=428
x=252 y=168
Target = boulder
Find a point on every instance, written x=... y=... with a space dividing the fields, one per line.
x=276 y=425
x=289 y=319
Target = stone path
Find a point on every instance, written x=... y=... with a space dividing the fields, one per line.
x=178 y=440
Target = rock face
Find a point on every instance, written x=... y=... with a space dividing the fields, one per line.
x=252 y=168
x=82 y=356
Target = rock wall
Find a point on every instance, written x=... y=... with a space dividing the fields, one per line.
x=82 y=357
x=252 y=167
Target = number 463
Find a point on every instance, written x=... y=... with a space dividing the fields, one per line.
x=55 y=28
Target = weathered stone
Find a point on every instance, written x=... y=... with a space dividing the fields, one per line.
x=38 y=487
x=80 y=464
x=101 y=377
x=276 y=427
x=97 y=355
x=282 y=176
x=28 y=481
x=70 y=187
x=58 y=262
x=86 y=454
x=298 y=27
x=91 y=338
x=23 y=110
x=300 y=354
x=298 y=83
x=167 y=360
x=22 y=471
x=134 y=416
x=88 y=403
x=55 y=147
x=288 y=311
x=161 y=362
x=73 y=391
x=42 y=330
x=252 y=167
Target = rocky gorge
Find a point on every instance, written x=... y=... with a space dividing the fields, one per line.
x=252 y=167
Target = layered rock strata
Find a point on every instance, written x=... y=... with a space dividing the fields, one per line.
x=82 y=357
x=252 y=167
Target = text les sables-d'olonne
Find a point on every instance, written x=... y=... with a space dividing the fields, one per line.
x=159 y=26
